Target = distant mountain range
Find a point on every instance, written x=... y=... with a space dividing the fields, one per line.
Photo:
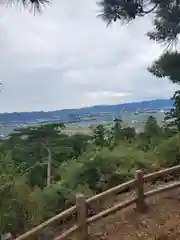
x=77 y=115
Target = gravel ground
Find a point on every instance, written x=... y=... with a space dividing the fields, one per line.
x=160 y=222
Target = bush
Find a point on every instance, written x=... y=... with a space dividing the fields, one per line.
x=24 y=207
x=169 y=152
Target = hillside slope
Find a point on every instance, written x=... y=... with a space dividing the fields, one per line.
x=160 y=222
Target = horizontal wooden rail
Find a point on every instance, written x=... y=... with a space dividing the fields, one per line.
x=111 y=210
x=115 y=190
x=162 y=189
x=162 y=173
x=52 y=220
x=82 y=204
x=98 y=216
x=121 y=206
x=67 y=233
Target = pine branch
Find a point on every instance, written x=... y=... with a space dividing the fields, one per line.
x=36 y=5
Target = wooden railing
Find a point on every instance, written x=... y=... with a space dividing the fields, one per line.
x=82 y=204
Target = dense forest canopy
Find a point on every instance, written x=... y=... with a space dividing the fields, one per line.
x=42 y=168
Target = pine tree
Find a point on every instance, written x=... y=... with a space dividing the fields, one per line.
x=44 y=135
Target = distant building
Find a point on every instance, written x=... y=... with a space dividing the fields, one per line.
x=2 y=136
x=134 y=121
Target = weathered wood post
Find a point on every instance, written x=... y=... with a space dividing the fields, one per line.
x=140 y=203
x=82 y=216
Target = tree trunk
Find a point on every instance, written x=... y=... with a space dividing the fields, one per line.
x=49 y=166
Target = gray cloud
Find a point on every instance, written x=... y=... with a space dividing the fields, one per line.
x=66 y=57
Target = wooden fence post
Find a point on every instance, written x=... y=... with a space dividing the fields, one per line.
x=82 y=216
x=140 y=203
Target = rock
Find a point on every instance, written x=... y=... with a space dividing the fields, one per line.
x=6 y=236
x=144 y=223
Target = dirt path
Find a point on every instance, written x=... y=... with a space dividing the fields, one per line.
x=160 y=222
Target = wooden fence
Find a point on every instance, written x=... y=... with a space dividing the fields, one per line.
x=82 y=204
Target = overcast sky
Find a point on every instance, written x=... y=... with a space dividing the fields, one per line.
x=67 y=58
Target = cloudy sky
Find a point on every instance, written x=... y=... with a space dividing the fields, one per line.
x=67 y=58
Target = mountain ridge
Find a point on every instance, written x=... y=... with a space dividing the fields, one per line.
x=67 y=114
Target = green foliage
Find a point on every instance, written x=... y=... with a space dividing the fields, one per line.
x=168 y=132
x=80 y=163
x=166 y=30
x=165 y=14
x=169 y=151
x=116 y=129
x=152 y=128
x=167 y=66
x=152 y=133
x=173 y=116
x=100 y=136
x=129 y=133
x=20 y=206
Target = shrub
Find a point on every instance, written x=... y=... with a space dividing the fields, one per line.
x=169 y=152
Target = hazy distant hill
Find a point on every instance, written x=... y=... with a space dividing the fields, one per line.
x=75 y=114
